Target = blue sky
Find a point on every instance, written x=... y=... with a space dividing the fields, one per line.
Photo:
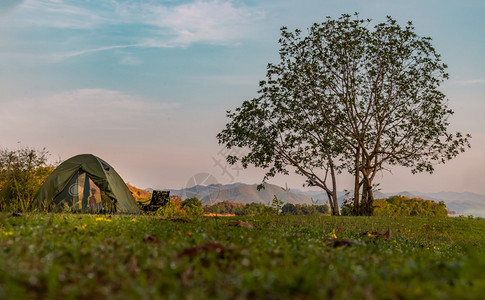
x=145 y=84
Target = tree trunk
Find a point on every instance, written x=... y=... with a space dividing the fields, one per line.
x=365 y=208
x=331 y=202
x=336 y=211
x=357 y=180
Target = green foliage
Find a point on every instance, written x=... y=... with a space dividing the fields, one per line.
x=289 y=209
x=192 y=207
x=276 y=205
x=348 y=96
x=323 y=209
x=254 y=209
x=349 y=208
x=176 y=207
x=223 y=208
x=171 y=209
x=22 y=173
x=65 y=256
x=305 y=209
x=403 y=206
x=238 y=209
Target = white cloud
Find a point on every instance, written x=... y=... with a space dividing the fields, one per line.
x=56 y=57
x=471 y=81
x=219 y=22
x=83 y=111
x=166 y=24
x=57 y=14
x=70 y=54
x=147 y=24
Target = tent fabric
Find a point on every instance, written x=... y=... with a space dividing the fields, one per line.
x=55 y=190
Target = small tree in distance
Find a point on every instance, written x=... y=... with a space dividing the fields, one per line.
x=276 y=205
x=22 y=173
x=348 y=97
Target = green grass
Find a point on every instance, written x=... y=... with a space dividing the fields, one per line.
x=86 y=256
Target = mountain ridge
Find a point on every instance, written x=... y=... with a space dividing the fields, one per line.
x=240 y=193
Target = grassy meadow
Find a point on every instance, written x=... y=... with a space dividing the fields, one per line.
x=67 y=256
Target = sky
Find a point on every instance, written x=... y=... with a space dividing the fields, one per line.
x=145 y=85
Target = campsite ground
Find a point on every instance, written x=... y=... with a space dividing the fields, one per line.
x=89 y=256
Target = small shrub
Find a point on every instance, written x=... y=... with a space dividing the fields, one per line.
x=172 y=209
x=22 y=173
x=192 y=207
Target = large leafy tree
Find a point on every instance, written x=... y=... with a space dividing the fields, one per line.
x=282 y=133
x=348 y=96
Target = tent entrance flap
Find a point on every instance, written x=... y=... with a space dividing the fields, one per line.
x=81 y=194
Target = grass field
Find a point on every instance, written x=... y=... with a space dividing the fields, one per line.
x=67 y=256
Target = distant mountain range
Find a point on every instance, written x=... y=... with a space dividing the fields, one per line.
x=462 y=203
x=241 y=193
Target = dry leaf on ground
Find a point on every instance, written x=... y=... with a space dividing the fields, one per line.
x=149 y=238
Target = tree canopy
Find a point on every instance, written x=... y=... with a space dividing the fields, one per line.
x=22 y=173
x=348 y=97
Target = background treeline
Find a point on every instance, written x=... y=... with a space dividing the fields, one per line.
x=305 y=209
x=238 y=209
x=403 y=206
x=247 y=209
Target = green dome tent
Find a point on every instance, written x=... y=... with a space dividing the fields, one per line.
x=85 y=183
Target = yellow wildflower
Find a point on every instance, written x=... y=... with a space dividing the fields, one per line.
x=103 y=219
x=334 y=236
x=134 y=220
x=8 y=233
x=80 y=227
